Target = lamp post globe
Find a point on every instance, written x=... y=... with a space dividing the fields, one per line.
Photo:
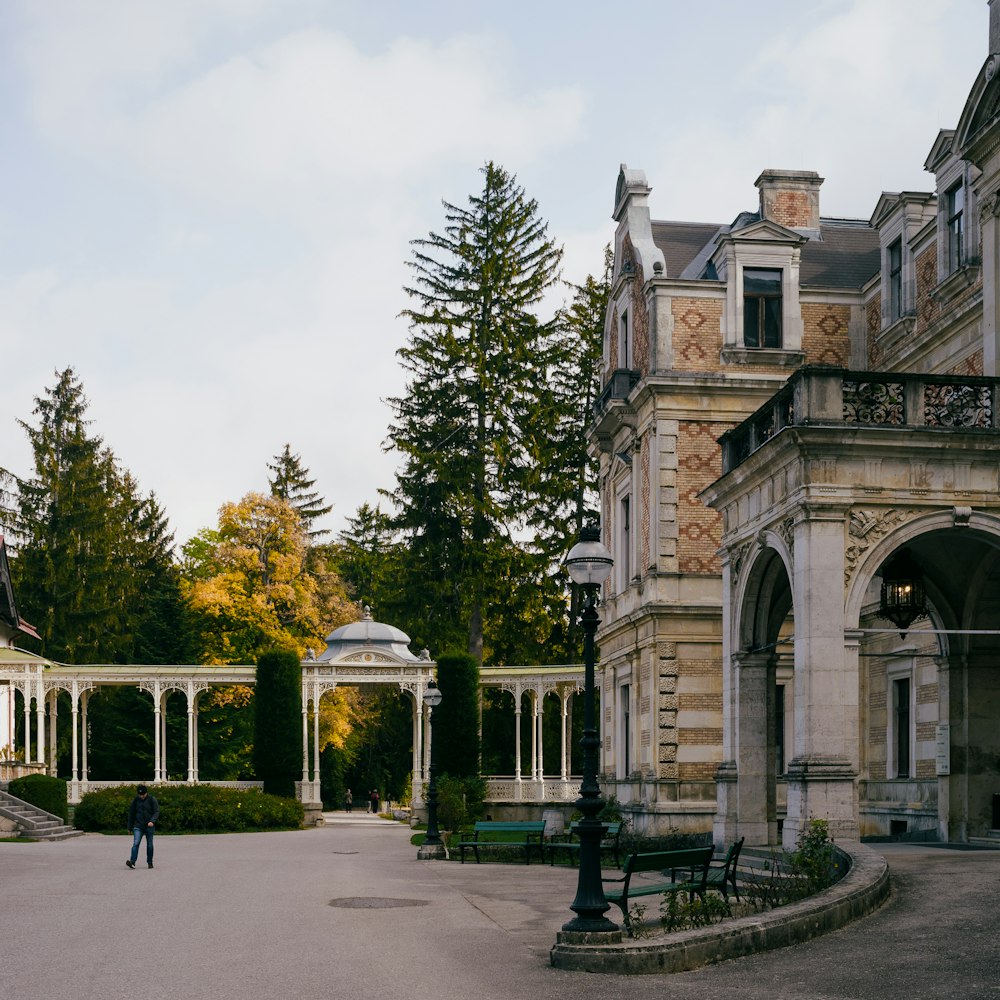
x=589 y=565
x=433 y=846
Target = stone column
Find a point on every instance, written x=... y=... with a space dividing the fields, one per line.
x=953 y=711
x=754 y=704
x=194 y=751
x=417 y=727
x=989 y=206
x=534 y=735
x=822 y=776
x=539 y=733
x=28 y=688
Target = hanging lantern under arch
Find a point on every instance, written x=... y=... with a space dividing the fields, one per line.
x=903 y=600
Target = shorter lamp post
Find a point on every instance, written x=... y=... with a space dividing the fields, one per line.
x=589 y=565
x=432 y=847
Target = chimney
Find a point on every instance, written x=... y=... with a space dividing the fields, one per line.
x=791 y=197
x=994 y=26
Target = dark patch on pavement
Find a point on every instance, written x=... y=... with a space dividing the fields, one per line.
x=375 y=902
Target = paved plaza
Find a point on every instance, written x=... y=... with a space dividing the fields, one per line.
x=249 y=917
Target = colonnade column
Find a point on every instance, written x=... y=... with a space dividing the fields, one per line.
x=305 y=735
x=564 y=716
x=52 y=697
x=822 y=776
x=417 y=726
x=190 y=731
x=316 y=797
x=157 y=715
x=39 y=720
x=84 y=766
x=74 y=696
x=517 y=732
x=538 y=742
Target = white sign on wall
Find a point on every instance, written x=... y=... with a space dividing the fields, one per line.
x=943 y=740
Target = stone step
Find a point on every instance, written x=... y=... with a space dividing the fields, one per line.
x=33 y=823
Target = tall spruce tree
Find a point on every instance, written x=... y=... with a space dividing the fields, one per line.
x=475 y=357
x=291 y=482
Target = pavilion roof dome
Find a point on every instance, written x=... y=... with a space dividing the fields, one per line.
x=370 y=635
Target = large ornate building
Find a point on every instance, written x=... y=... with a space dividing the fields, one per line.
x=790 y=401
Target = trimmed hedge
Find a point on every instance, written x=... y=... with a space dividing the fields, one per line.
x=191 y=809
x=43 y=791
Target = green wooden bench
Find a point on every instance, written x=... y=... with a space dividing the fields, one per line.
x=489 y=833
x=722 y=871
x=610 y=837
x=673 y=871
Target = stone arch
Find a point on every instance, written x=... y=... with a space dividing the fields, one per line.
x=763 y=593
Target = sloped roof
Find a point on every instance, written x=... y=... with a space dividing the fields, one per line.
x=845 y=256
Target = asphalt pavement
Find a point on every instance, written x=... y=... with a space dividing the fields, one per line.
x=346 y=910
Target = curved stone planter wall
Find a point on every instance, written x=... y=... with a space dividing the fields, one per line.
x=863 y=889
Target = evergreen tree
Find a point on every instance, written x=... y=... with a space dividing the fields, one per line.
x=72 y=523
x=475 y=357
x=277 y=748
x=368 y=557
x=456 y=723
x=291 y=482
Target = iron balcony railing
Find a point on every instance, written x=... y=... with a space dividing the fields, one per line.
x=620 y=383
x=819 y=395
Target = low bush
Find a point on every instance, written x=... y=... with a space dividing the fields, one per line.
x=191 y=809
x=42 y=791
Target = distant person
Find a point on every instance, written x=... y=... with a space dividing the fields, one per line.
x=348 y=800
x=375 y=801
x=143 y=814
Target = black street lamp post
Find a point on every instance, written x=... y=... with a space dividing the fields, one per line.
x=589 y=565
x=433 y=846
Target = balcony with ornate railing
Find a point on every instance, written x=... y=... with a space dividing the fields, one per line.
x=620 y=383
x=837 y=396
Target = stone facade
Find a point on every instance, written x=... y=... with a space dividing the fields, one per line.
x=803 y=398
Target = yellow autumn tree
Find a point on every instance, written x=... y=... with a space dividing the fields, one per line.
x=252 y=584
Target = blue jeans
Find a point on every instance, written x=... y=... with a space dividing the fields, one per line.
x=137 y=834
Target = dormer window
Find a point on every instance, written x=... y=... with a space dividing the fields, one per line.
x=955 y=208
x=761 y=307
x=895 y=267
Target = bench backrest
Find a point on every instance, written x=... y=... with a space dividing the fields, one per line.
x=489 y=826
x=653 y=861
x=610 y=829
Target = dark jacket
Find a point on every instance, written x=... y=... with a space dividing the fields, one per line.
x=142 y=812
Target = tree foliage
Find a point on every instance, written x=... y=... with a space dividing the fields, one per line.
x=277 y=753
x=456 y=718
x=477 y=361
x=94 y=566
x=291 y=482
x=250 y=588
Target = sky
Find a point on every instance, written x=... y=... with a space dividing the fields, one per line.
x=206 y=206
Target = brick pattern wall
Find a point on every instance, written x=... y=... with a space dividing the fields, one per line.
x=790 y=208
x=972 y=365
x=699 y=462
x=928 y=310
x=697 y=333
x=638 y=315
x=825 y=337
x=873 y=323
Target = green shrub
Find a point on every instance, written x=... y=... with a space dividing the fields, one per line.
x=42 y=791
x=192 y=809
x=277 y=747
x=460 y=801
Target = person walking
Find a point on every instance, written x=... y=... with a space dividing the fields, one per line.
x=143 y=814
x=375 y=801
x=348 y=800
